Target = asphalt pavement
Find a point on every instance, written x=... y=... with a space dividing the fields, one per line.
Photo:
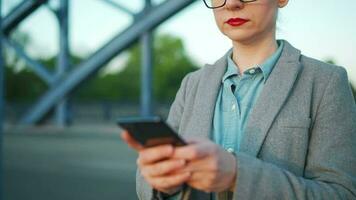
x=79 y=163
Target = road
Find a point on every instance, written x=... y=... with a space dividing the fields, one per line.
x=89 y=163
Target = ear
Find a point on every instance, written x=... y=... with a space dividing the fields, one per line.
x=282 y=3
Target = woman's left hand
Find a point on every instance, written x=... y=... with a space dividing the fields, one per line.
x=212 y=168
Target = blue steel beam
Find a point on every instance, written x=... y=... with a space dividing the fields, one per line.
x=19 y=13
x=62 y=109
x=2 y=109
x=39 y=69
x=147 y=74
x=89 y=67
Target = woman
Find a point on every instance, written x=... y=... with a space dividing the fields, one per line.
x=267 y=122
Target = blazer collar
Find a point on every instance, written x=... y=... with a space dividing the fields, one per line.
x=271 y=99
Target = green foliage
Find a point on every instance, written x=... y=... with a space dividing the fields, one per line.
x=25 y=85
x=22 y=86
x=330 y=61
x=170 y=64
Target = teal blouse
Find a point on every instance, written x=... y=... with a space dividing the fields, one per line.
x=237 y=95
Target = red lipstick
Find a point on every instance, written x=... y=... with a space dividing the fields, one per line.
x=236 y=21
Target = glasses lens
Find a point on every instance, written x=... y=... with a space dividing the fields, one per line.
x=214 y=3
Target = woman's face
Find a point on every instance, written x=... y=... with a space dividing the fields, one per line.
x=257 y=19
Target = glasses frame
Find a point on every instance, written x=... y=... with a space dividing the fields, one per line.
x=214 y=7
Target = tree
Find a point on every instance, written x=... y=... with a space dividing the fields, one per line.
x=171 y=64
x=22 y=84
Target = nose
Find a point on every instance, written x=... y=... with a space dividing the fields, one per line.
x=234 y=4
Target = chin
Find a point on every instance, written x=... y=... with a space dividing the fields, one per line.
x=241 y=37
x=246 y=36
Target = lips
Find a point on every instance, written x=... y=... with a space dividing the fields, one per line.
x=236 y=21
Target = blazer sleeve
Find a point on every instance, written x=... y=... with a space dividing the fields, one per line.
x=143 y=189
x=330 y=171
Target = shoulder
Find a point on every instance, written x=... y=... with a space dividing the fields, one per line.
x=190 y=82
x=209 y=71
x=325 y=81
x=321 y=71
x=312 y=64
x=195 y=77
x=311 y=67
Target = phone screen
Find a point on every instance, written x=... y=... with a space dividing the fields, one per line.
x=150 y=131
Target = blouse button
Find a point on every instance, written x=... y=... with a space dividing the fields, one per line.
x=230 y=150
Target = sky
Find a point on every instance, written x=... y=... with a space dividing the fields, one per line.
x=322 y=29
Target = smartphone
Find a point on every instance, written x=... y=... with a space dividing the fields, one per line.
x=150 y=131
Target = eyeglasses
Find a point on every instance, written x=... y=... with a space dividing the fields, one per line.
x=220 y=3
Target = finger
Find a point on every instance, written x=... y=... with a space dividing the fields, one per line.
x=154 y=154
x=194 y=151
x=163 y=168
x=131 y=141
x=170 y=181
x=205 y=164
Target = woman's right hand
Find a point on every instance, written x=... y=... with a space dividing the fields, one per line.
x=157 y=165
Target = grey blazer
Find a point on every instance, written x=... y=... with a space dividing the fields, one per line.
x=300 y=140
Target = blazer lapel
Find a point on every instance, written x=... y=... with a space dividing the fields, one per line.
x=209 y=88
x=271 y=99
